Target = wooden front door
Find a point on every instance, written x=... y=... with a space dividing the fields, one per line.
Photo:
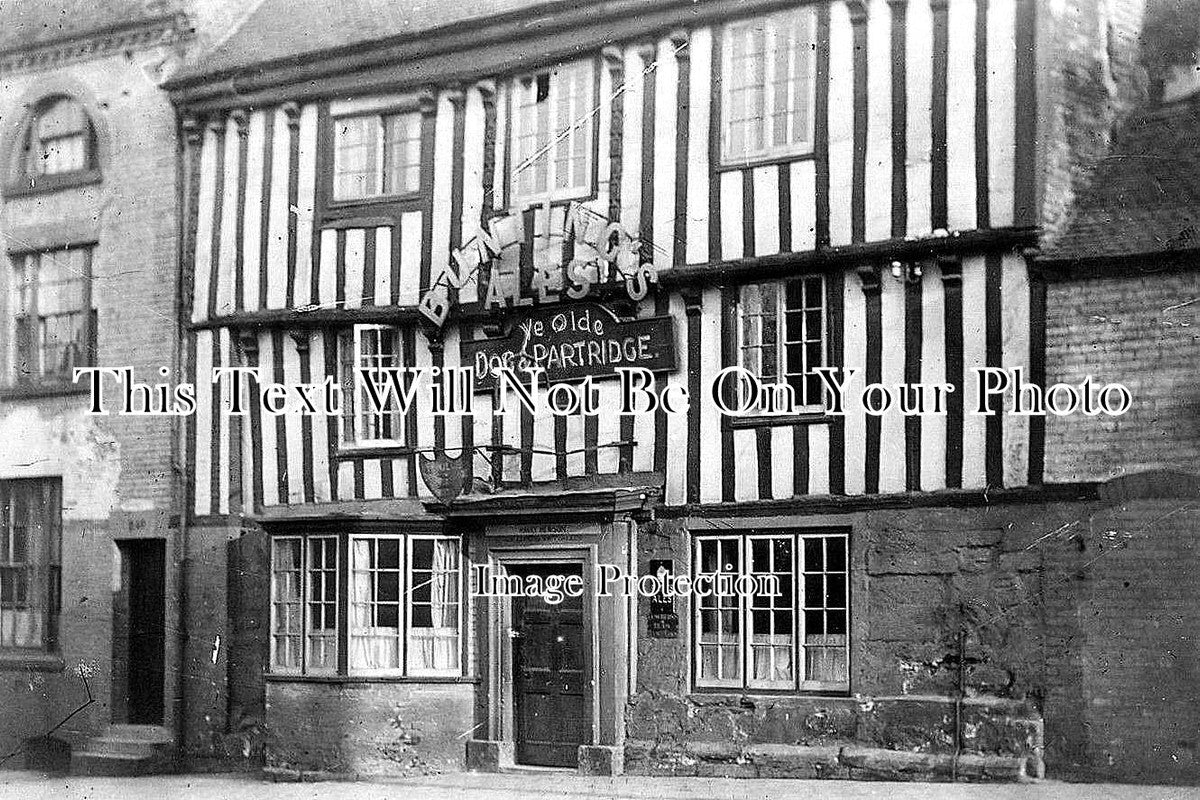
x=551 y=685
x=147 y=631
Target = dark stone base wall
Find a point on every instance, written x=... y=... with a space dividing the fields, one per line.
x=367 y=728
x=1077 y=624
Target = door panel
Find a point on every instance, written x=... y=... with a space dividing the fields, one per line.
x=552 y=697
x=147 y=596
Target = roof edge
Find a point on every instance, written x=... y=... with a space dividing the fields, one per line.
x=190 y=79
x=177 y=19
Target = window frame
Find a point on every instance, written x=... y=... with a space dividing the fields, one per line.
x=354 y=392
x=380 y=113
x=805 y=412
x=22 y=180
x=35 y=382
x=516 y=86
x=805 y=148
x=799 y=683
x=344 y=668
x=50 y=549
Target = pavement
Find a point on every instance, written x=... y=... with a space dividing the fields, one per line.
x=550 y=785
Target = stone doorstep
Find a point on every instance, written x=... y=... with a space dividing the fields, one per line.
x=497 y=756
x=127 y=750
x=831 y=761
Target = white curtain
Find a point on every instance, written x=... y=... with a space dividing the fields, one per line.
x=371 y=647
x=436 y=647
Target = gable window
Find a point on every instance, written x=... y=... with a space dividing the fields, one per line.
x=782 y=332
x=769 y=65
x=553 y=117
x=403 y=610
x=376 y=155
x=370 y=356
x=59 y=139
x=30 y=555
x=795 y=637
x=54 y=325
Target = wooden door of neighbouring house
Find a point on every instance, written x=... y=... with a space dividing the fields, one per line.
x=551 y=689
x=145 y=573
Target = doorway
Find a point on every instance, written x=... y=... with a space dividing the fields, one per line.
x=141 y=645
x=550 y=672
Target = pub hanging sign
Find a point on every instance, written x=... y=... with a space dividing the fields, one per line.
x=573 y=342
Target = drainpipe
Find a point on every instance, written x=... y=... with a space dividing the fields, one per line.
x=958 y=700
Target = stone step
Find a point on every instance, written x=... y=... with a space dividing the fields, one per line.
x=126 y=750
x=86 y=762
x=146 y=733
x=835 y=760
x=127 y=747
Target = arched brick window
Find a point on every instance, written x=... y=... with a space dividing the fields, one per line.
x=56 y=148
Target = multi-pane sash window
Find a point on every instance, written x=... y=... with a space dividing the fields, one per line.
x=782 y=331
x=403 y=612
x=769 y=68
x=795 y=638
x=30 y=558
x=59 y=140
x=376 y=155
x=368 y=354
x=54 y=322
x=553 y=116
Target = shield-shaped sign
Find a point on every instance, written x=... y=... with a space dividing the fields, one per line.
x=444 y=474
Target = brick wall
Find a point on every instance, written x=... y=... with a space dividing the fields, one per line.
x=117 y=472
x=1140 y=330
x=1121 y=624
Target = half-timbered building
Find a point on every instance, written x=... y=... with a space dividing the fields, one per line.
x=776 y=186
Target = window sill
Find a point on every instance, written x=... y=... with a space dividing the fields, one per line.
x=345 y=453
x=517 y=205
x=805 y=418
x=765 y=160
x=44 y=184
x=35 y=390
x=31 y=661
x=736 y=696
x=367 y=211
x=275 y=677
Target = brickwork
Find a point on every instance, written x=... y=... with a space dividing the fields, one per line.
x=1120 y=623
x=1138 y=329
x=117 y=472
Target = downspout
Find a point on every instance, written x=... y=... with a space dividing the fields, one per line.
x=184 y=180
x=958 y=699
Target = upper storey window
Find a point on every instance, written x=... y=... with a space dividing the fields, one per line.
x=54 y=325
x=57 y=149
x=59 y=140
x=769 y=65
x=376 y=155
x=552 y=133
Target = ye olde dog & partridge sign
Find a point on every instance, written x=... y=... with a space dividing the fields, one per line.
x=574 y=342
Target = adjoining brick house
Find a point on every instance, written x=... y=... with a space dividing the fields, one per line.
x=852 y=184
x=90 y=536
x=90 y=521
